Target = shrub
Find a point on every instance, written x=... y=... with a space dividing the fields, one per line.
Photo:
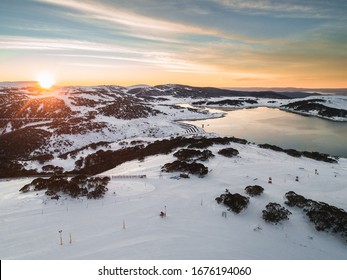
x=328 y=218
x=236 y=202
x=294 y=153
x=228 y=152
x=254 y=190
x=325 y=217
x=275 y=213
x=104 y=160
x=12 y=168
x=26 y=188
x=190 y=154
x=182 y=166
x=294 y=199
x=75 y=187
x=52 y=168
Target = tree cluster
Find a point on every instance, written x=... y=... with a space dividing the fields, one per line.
x=228 y=152
x=104 y=160
x=275 y=213
x=236 y=202
x=254 y=190
x=325 y=217
x=182 y=166
x=294 y=153
x=78 y=186
x=192 y=155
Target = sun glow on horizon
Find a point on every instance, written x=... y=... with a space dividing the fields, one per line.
x=45 y=80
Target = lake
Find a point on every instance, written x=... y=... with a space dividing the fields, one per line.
x=281 y=128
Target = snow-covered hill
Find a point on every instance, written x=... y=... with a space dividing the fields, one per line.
x=36 y=123
x=125 y=224
x=52 y=122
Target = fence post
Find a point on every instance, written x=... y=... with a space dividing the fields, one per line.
x=61 y=237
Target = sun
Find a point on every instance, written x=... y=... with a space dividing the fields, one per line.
x=45 y=80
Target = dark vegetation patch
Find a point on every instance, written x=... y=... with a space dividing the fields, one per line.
x=194 y=110
x=236 y=202
x=18 y=123
x=11 y=103
x=138 y=142
x=42 y=158
x=311 y=105
x=325 y=217
x=76 y=126
x=52 y=169
x=191 y=155
x=161 y=99
x=225 y=102
x=78 y=186
x=19 y=109
x=92 y=146
x=12 y=168
x=202 y=92
x=127 y=108
x=80 y=101
x=19 y=144
x=182 y=166
x=204 y=143
x=294 y=153
x=20 y=106
x=275 y=213
x=105 y=160
x=228 y=152
x=254 y=190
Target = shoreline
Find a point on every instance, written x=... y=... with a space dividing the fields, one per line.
x=252 y=107
x=271 y=107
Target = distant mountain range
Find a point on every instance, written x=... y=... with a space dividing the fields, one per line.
x=269 y=92
x=293 y=90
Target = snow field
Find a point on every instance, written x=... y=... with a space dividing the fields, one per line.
x=193 y=228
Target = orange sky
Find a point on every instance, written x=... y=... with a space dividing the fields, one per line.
x=223 y=43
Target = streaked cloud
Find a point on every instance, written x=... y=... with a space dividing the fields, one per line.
x=284 y=8
x=140 y=26
x=134 y=21
x=30 y=43
x=205 y=42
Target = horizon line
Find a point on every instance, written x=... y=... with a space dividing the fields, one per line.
x=154 y=85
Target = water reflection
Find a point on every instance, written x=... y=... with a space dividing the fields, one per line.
x=288 y=130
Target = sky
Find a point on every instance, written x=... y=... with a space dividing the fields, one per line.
x=223 y=43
